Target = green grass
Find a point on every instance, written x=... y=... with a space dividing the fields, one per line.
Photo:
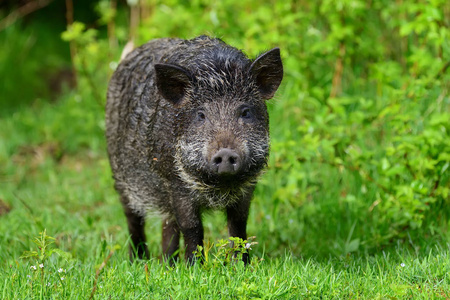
x=398 y=275
x=55 y=176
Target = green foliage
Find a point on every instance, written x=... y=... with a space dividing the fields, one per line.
x=105 y=11
x=89 y=56
x=358 y=180
x=44 y=271
x=226 y=251
x=360 y=128
x=44 y=251
x=28 y=74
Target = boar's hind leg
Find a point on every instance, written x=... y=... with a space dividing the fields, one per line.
x=136 y=227
x=237 y=216
x=170 y=239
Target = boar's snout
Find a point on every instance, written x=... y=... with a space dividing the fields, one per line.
x=225 y=162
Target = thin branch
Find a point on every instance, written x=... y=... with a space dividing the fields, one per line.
x=97 y=273
x=134 y=20
x=72 y=45
x=408 y=166
x=112 y=28
x=84 y=71
x=22 y=11
x=112 y=39
x=30 y=210
x=443 y=70
x=435 y=186
x=338 y=70
x=146 y=9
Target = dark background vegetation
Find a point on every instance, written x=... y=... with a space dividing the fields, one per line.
x=36 y=62
x=360 y=127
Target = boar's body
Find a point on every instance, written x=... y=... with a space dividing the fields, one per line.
x=187 y=130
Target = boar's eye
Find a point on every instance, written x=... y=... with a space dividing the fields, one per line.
x=246 y=114
x=200 y=117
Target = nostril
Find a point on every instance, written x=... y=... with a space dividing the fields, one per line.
x=232 y=160
x=218 y=160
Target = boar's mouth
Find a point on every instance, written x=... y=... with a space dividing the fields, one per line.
x=205 y=179
x=229 y=180
x=226 y=181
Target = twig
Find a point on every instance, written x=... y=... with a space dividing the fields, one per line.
x=30 y=210
x=146 y=9
x=435 y=186
x=443 y=70
x=111 y=28
x=84 y=70
x=22 y=11
x=72 y=45
x=97 y=273
x=112 y=40
x=338 y=69
x=408 y=166
x=134 y=20
x=134 y=23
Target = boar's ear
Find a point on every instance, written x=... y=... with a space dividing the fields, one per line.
x=267 y=69
x=172 y=82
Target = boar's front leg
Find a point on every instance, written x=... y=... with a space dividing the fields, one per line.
x=190 y=223
x=237 y=215
x=170 y=239
x=136 y=227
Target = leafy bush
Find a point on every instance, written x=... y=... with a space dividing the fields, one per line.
x=360 y=129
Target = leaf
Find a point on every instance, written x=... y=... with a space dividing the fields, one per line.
x=444 y=168
x=28 y=254
x=385 y=164
x=352 y=246
x=66 y=255
x=396 y=170
x=440 y=119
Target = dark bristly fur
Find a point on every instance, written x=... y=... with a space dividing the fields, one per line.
x=187 y=130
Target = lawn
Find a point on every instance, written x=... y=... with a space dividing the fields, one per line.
x=69 y=193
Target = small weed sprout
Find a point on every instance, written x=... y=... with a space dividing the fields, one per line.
x=44 y=252
x=227 y=251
